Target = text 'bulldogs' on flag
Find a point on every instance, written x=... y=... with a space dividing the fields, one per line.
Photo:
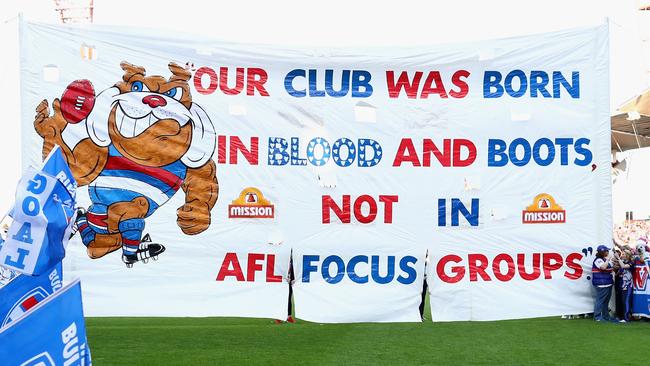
x=53 y=333
x=42 y=218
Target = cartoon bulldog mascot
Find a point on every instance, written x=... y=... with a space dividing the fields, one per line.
x=134 y=145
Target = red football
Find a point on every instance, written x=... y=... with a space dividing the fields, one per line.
x=77 y=101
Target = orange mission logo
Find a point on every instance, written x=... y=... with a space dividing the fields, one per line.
x=251 y=204
x=544 y=210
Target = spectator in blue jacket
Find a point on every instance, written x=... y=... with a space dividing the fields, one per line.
x=602 y=280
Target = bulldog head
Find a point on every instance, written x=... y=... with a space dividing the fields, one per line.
x=152 y=120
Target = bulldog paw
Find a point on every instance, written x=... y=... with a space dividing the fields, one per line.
x=193 y=217
x=48 y=126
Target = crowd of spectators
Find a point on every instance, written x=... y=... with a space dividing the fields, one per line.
x=630 y=234
x=630 y=250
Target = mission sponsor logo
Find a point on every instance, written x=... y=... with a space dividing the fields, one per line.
x=251 y=204
x=543 y=210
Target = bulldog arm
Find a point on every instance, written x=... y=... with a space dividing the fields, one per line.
x=86 y=160
x=201 y=189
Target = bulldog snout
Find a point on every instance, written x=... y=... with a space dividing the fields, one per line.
x=154 y=101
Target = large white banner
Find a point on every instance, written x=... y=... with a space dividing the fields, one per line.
x=206 y=169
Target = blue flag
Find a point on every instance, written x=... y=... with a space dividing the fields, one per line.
x=53 y=333
x=42 y=218
x=24 y=292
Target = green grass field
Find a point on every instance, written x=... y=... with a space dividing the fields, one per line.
x=236 y=341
